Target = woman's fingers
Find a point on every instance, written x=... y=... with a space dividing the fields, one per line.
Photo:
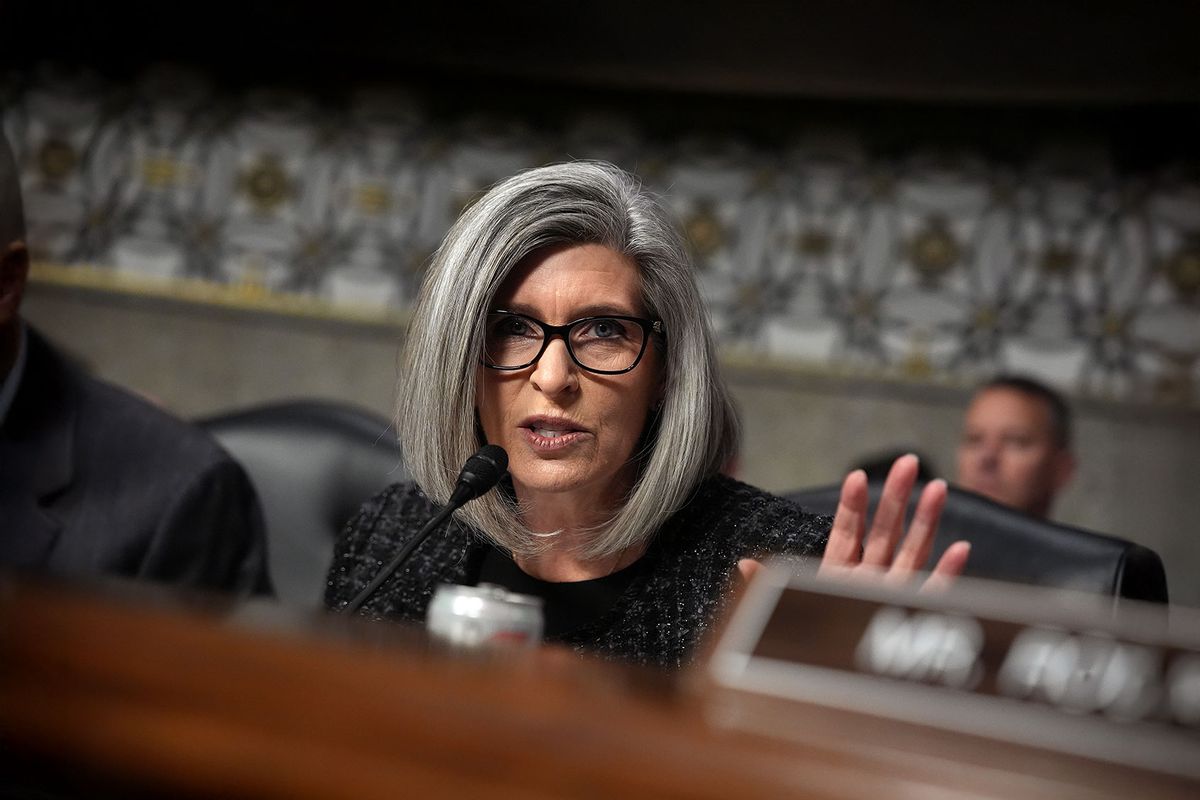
x=889 y=515
x=845 y=537
x=918 y=542
x=748 y=568
x=890 y=552
x=949 y=567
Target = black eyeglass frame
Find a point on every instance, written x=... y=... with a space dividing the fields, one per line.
x=650 y=327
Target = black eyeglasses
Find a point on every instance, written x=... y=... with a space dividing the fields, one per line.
x=608 y=345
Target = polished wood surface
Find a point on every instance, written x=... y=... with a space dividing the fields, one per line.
x=129 y=693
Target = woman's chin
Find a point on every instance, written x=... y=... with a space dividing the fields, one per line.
x=550 y=482
x=556 y=477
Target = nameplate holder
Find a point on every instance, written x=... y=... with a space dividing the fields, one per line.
x=1081 y=674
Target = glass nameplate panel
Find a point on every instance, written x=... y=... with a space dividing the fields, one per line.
x=1054 y=670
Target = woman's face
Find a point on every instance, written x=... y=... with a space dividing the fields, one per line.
x=568 y=430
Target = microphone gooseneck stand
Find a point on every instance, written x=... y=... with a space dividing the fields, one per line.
x=481 y=472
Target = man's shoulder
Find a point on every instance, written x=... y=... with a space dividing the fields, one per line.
x=117 y=425
x=110 y=428
x=133 y=489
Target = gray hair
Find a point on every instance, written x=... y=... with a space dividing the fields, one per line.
x=694 y=431
x=12 y=217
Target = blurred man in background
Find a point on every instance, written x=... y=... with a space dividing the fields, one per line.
x=95 y=481
x=1016 y=444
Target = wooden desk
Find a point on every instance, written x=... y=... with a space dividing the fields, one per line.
x=121 y=693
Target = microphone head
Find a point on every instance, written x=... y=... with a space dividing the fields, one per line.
x=481 y=472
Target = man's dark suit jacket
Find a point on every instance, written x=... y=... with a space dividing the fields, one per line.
x=95 y=481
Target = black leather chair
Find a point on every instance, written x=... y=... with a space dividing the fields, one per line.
x=313 y=464
x=1007 y=545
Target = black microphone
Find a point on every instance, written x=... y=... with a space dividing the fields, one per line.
x=481 y=472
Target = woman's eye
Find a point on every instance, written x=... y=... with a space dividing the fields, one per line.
x=513 y=326
x=606 y=328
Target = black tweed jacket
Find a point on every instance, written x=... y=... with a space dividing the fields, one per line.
x=676 y=595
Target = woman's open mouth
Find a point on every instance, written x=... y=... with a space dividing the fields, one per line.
x=549 y=435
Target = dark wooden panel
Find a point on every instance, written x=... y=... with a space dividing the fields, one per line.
x=131 y=696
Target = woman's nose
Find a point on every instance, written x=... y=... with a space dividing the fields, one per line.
x=555 y=372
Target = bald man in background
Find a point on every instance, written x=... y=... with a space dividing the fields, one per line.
x=95 y=481
x=1016 y=445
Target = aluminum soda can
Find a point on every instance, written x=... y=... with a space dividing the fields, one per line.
x=484 y=616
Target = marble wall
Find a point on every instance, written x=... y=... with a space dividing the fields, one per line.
x=928 y=260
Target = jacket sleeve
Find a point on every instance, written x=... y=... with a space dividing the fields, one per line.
x=212 y=536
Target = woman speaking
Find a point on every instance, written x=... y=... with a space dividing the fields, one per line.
x=560 y=320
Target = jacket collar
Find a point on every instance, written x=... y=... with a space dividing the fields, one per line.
x=37 y=447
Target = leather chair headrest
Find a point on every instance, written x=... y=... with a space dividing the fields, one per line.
x=1007 y=545
x=313 y=465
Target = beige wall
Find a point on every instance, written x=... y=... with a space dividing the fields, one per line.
x=1139 y=468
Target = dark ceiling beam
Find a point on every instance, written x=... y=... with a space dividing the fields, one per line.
x=1010 y=51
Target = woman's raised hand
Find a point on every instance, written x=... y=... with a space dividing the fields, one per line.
x=890 y=553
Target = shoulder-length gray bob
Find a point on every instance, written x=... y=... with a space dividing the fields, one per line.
x=695 y=431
